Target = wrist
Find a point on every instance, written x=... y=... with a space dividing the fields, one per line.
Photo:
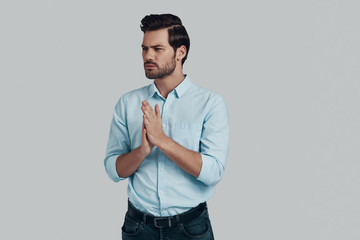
x=144 y=151
x=162 y=141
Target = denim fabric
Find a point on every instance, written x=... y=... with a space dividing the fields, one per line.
x=199 y=228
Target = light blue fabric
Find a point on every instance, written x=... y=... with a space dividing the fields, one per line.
x=194 y=117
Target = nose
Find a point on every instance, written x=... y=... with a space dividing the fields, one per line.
x=148 y=55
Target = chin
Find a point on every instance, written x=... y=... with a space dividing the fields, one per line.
x=149 y=76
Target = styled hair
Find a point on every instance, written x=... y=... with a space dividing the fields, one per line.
x=177 y=32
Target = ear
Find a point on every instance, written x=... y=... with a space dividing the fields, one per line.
x=181 y=52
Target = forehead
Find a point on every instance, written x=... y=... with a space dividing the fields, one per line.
x=156 y=37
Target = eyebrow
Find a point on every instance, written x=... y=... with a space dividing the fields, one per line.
x=154 y=46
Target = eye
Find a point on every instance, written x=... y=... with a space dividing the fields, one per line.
x=158 y=49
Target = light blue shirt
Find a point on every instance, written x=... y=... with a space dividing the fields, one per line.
x=192 y=116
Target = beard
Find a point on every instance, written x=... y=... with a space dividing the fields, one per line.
x=161 y=72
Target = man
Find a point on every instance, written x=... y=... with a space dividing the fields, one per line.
x=170 y=139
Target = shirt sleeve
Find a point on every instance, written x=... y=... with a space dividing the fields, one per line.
x=214 y=143
x=118 y=142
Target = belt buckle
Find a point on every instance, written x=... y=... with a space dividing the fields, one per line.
x=162 y=219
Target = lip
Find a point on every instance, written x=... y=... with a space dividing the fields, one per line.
x=149 y=65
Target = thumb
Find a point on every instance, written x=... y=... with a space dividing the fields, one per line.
x=157 y=111
x=143 y=129
x=143 y=132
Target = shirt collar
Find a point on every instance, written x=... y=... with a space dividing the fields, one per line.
x=179 y=90
x=153 y=89
x=183 y=86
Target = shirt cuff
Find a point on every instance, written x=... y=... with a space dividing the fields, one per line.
x=207 y=172
x=111 y=169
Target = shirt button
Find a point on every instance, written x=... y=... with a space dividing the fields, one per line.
x=166 y=106
x=161 y=192
x=161 y=169
x=164 y=125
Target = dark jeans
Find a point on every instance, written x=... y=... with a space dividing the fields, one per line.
x=198 y=228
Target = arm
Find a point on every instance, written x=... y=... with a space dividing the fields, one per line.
x=120 y=161
x=127 y=163
x=214 y=142
x=190 y=161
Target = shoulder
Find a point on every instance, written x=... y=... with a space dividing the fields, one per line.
x=213 y=104
x=139 y=93
x=136 y=93
x=131 y=98
x=211 y=97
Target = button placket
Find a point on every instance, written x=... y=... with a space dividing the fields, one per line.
x=162 y=160
x=161 y=164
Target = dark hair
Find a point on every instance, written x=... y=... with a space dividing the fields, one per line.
x=177 y=32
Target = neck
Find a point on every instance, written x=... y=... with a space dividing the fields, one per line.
x=167 y=84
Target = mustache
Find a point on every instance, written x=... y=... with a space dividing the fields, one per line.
x=150 y=62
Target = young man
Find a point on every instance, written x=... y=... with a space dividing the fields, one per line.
x=170 y=139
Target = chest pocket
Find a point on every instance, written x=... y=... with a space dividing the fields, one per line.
x=188 y=134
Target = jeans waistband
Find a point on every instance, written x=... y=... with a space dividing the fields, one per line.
x=161 y=222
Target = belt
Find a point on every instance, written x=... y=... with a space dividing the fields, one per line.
x=161 y=222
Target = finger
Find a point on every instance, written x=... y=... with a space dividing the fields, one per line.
x=149 y=108
x=145 y=111
x=143 y=132
x=157 y=111
x=149 y=112
x=144 y=137
x=145 y=103
x=145 y=121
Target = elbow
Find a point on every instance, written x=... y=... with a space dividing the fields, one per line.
x=216 y=177
x=110 y=168
x=212 y=171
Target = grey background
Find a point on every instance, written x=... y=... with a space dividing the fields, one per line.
x=289 y=71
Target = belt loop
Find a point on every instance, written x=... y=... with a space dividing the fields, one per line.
x=144 y=218
x=177 y=219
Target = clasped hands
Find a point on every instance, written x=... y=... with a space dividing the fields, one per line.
x=152 y=129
